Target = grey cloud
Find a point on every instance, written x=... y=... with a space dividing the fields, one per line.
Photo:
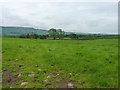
x=79 y=17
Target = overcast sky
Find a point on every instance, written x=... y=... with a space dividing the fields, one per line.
x=100 y=17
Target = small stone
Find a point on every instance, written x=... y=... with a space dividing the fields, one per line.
x=19 y=75
x=40 y=69
x=26 y=86
x=32 y=72
x=46 y=80
x=70 y=73
x=58 y=74
x=24 y=83
x=70 y=85
x=31 y=75
x=48 y=76
x=10 y=87
x=50 y=73
x=36 y=65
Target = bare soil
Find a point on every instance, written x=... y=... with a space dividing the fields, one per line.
x=8 y=78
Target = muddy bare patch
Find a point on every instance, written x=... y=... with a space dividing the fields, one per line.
x=59 y=82
x=9 y=79
x=62 y=84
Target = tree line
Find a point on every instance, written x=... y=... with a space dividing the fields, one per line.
x=59 y=34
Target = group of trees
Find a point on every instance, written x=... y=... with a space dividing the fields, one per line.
x=56 y=33
x=35 y=36
x=53 y=33
x=60 y=34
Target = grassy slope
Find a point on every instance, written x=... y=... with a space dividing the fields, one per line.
x=21 y=30
x=93 y=62
x=0 y=62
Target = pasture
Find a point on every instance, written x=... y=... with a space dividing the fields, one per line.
x=57 y=63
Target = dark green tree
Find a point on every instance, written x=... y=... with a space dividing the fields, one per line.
x=60 y=34
x=53 y=33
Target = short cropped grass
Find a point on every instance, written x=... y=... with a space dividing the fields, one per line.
x=85 y=63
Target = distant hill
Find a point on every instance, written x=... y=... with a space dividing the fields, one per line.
x=7 y=31
x=12 y=30
x=21 y=30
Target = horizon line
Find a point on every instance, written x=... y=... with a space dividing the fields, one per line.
x=65 y=31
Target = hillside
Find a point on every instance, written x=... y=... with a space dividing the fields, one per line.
x=7 y=31
x=22 y=30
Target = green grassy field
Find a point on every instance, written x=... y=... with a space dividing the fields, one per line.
x=0 y=62
x=56 y=63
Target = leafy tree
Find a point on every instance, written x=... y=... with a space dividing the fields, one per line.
x=53 y=33
x=56 y=33
x=60 y=33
